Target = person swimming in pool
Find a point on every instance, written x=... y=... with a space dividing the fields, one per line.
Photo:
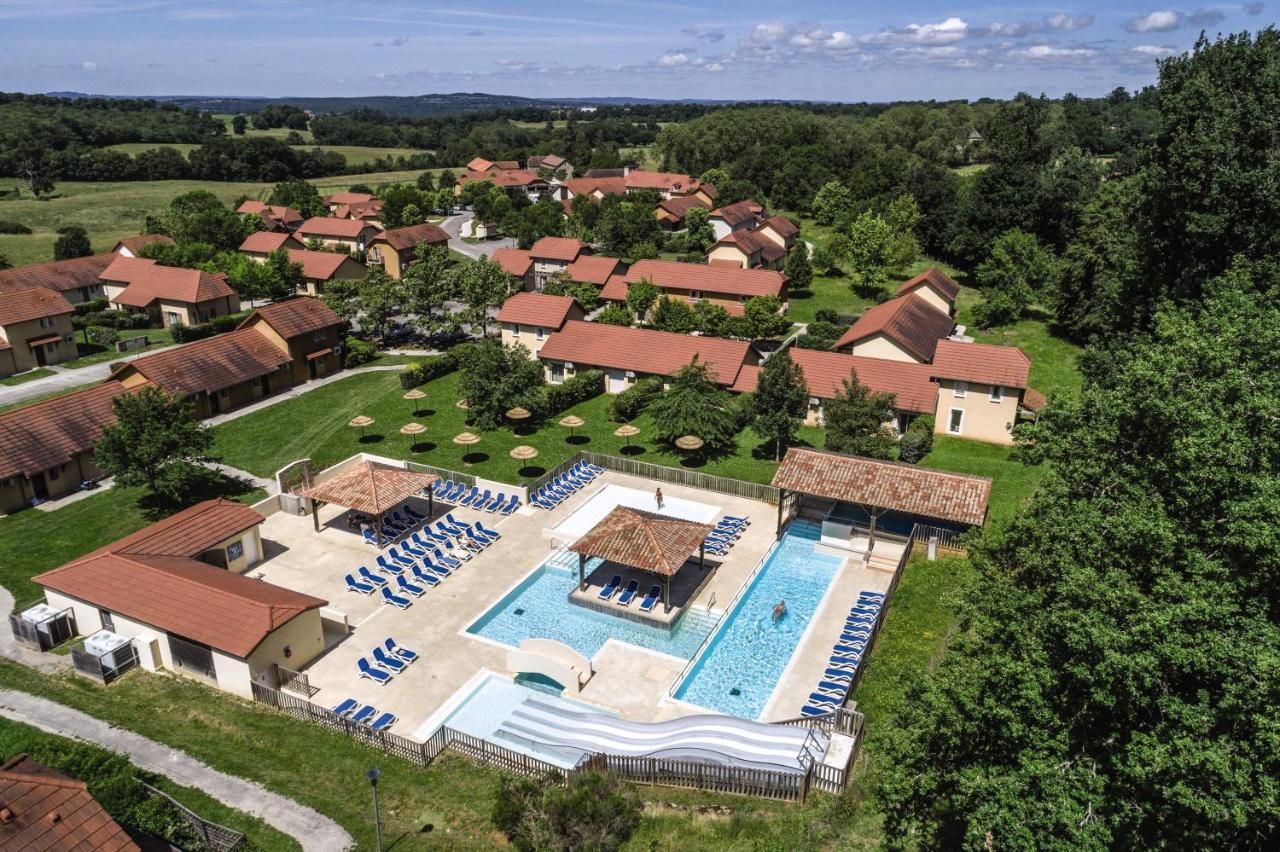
x=779 y=610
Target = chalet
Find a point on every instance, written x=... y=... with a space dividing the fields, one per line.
x=513 y=181
x=628 y=354
x=671 y=211
x=517 y=263
x=557 y=165
x=751 y=249
x=177 y=593
x=76 y=279
x=46 y=448
x=349 y=235
x=781 y=230
x=595 y=188
x=668 y=184
x=338 y=199
x=593 y=269
x=364 y=211
x=40 y=808
x=35 y=330
x=935 y=287
x=307 y=330
x=480 y=164
x=906 y=328
x=319 y=268
x=259 y=244
x=739 y=216
x=728 y=287
x=981 y=390
x=170 y=294
x=395 y=249
x=552 y=255
x=529 y=318
x=276 y=217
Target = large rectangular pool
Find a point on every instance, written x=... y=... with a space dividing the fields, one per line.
x=603 y=502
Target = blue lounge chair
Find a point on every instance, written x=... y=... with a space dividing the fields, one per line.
x=399 y=558
x=481 y=537
x=496 y=503
x=873 y=597
x=347 y=707
x=810 y=710
x=629 y=593
x=594 y=468
x=375 y=675
x=434 y=570
x=512 y=504
x=405 y=586
x=470 y=497
x=838 y=675
x=483 y=500
x=744 y=520
x=471 y=544
x=457 y=523
x=457 y=552
x=413 y=550
x=386 y=720
x=493 y=535
x=449 y=528
x=392 y=598
x=389 y=567
x=435 y=537
x=608 y=590
x=822 y=699
x=838 y=689
x=456 y=492
x=401 y=652
x=429 y=579
x=566 y=484
x=354 y=585
x=442 y=488
x=365 y=713
x=447 y=561
x=372 y=577
x=417 y=516
x=391 y=664
x=369 y=537
x=651 y=599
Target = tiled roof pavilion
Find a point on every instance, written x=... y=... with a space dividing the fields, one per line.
x=371 y=487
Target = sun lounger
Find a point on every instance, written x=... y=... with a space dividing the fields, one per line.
x=810 y=710
x=410 y=548
x=405 y=586
x=608 y=590
x=399 y=558
x=392 y=598
x=651 y=599
x=354 y=585
x=429 y=579
x=456 y=492
x=391 y=664
x=371 y=577
x=375 y=675
x=386 y=720
x=449 y=528
x=823 y=700
x=512 y=504
x=488 y=505
x=471 y=544
x=493 y=535
x=369 y=537
x=838 y=675
x=434 y=570
x=468 y=498
x=743 y=520
x=436 y=537
x=629 y=593
x=447 y=561
x=365 y=713
x=838 y=689
x=401 y=652
x=441 y=488
x=417 y=516
x=347 y=707
x=457 y=523
x=389 y=567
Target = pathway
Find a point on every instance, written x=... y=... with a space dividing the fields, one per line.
x=453 y=227
x=66 y=378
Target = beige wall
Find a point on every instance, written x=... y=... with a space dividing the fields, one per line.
x=879 y=346
x=982 y=420
x=16 y=492
x=728 y=253
x=332 y=243
x=933 y=297
x=23 y=357
x=349 y=270
x=304 y=636
x=526 y=335
x=543 y=269
x=230 y=398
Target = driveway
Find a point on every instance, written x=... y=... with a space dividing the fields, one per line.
x=453 y=227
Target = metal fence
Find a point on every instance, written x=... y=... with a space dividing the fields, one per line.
x=690 y=478
x=294 y=681
x=46 y=634
x=214 y=836
x=443 y=473
x=105 y=668
x=550 y=475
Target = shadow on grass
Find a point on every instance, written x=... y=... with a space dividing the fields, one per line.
x=475 y=458
x=532 y=471
x=633 y=450
x=372 y=439
x=423 y=447
x=188 y=486
x=577 y=440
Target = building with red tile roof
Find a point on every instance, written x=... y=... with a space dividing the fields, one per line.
x=319 y=268
x=276 y=217
x=480 y=164
x=259 y=244
x=906 y=328
x=666 y=184
x=349 y=235
x=514 y=181
x=749 y=249
x=130 y=246
x=338 y=199
x=527 y=319
x=552 y=255
x=35 y=329
x=517 y=263
x=395 y=248
x=307 y=330
x=935 y=287
x=739 y=216
x=172 y=295
x=593 y=269
x=728 y=287
x=76 y=279
x=40 y=808
x=593 y=187
x=671 y=211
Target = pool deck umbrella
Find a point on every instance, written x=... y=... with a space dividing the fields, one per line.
x=626 y=433
x=466 y=439
x=412 y=429
x=361 y=422
x=572 y=423
x=373 y=488
x=689 y=442
x=523 y=452
x=463 y=404
x=413 y=396
x=646 y=541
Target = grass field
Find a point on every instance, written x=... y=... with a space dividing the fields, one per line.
x=23 y=378
x=357 y=155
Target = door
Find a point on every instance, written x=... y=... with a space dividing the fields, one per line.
x=42 y=360
x=617 y=381
x=214 y=404
x=39 y=486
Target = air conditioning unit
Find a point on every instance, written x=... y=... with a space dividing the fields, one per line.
x=631 y=374
x=108 y=647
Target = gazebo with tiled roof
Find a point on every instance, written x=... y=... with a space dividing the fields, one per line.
x=373 y=488
x=646 y=541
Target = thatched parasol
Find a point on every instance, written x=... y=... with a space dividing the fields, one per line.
x=626 y=432
x=572 y=423
x=689 y=442
x=523 y=452
x=361 y=422
x=519 y=413
x=463 y=404
x=467 y=439
x=413 y=396
x=412 y=429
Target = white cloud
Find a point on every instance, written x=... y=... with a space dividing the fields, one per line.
x=88 y=66
x=1156 y=50
x=1068 y=23
x=1252 y=9
x=673 y=60
x=1051 y=53
x=951 y=30
x=1156 y=22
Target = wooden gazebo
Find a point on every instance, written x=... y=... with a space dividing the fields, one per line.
x=657 y=544
x=373 y=488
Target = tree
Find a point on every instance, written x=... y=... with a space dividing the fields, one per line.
x=496 y=378
x=798 y=270
x=869 y=249
x=283 y=277
x=396 y=200
x=483 y=285
x=710 y=318
x=613 y=314
x=590 y=811
x=427 y=286
x=626 y=221
x=199 y=217
x=903 y=217
x=342 y=295
x=764 y=317
x=673 y=315
x=640 y=297
x=781 y=401
x=239 y=124
x=299 y=194
x=833 y=203
x=855 y=420
x=694 y=405
x=4 y=262
x=380 y=299
x=1102 y=262
x=699 y=234
x=72 y=241
x=154 y=439
x=1017 y=271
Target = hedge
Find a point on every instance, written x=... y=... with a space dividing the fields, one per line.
x=586 y=385
x=421 y=372
x=629 y=404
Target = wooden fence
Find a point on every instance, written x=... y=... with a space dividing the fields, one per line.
x=690 y=478
x=214 y=836
x=694 y=775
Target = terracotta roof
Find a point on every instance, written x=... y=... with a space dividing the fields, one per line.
x=515 y=261
x=651 y=542
x=318 y=265
x=271 y=213
x=265 y=242
x=479 y=164
x=60 y=275
x=371 y=487
x=661 y=181
x=135 y=243
x=536 y=309
x=738 y=213
x=681 y=205
x=943 y=496
x=726 y=280
x=588 y=185
x=908 y=321
x=593 y=268
x=348 y=197
x=981 y=362
x=550 y=161
x=753 y=242
x=507 y=165
x=359 y=210
x=643 y=350
x=31 y=304
x=556 y=248
x=327 y=226
x=152 y=576
x=409 y=236
x=211 y=364
x=148 y=281
x=505 y=178
x=51 y=811
x=294 y=317
x=783 y=226
x=825 y=374
x=935 y=278
x=39 y=436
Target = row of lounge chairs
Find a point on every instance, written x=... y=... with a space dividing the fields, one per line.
x=559 y=489
x=365 y=715
x=846 y=656
x=389 y=659
x=728 y=530
x=448 y=491
x=396 y=524
x=422 y=557
x=629 y=593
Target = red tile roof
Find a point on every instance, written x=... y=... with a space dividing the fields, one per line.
x=589 y=185
x=31 y=304
x=556 y=248
x=826 y=372
x=507 y=165
x=662 y=181
x=60 y=275
x=516 y=262
x=294 y=317
x=479 y=164
x=643 y=350
x=981 y=362
x=135 y=243
x=536 y=309
x=359 y=210
x=211 y=364
x=753 y=242
x=326 y=226
x=147 y=281
x=47 y=810
x=738 y=213
x=781 y=225
x=909 y=321
x=44 y=434
x=680 y=205
x=659 y=544
x=550 y=161
x=348 y=198
x=318 y=265
x=505 y=178
x=272 y=214
x=936 y=494
x=371 y=487
x=152 y=576
x=265 y=242
x=410 y=236
x=593 y=268
x=723 y=280
x=935 y=278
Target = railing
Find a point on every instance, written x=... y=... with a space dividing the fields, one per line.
x=47 y=634
x=443 y=473
x=550 y=475
x=680 y=476
x=95 y=667
x=947 y=538
x=691 y=774
x=214 y=836
x=294 y=682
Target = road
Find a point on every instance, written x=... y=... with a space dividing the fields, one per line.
x=453 y=227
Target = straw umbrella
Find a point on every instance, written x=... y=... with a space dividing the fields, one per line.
x=466 y=439
x=689 y=442
x=412 y=429
x=524 y=452
x=626 y=432
x=361 y=422
x=519 y=415
x=572 y=422
x=413 y=396
x=463 y=404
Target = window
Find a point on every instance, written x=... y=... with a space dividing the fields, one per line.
x=108 y=623
x=173 y=318
x=557 y=374
x=997 y=393
x=321 y=335
x=959 y=389
x=515 y=329
x=956 y=421
x=538 y=333
x=234 y=551
x=225 y=393
x=55 y=473
x=46 y=322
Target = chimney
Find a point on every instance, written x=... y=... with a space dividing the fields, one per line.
x=6 y=816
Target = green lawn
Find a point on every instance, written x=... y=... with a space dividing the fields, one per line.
x=357 y=155
x=1013 y=481
x=23 y=378
x=93 y=354
x=16 y=738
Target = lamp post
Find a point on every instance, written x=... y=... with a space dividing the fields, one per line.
x=372 y=775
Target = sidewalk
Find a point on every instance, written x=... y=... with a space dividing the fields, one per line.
x=65 y=378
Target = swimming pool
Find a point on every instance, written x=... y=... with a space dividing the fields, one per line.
x=742 y=664
x=538 y=608
x=603 y=502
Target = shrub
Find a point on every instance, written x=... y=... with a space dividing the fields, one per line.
x=629 y=404
x=188 y=333
x=358 y=351
x=8 y=227
x=589 y=811
x=131 y=321
x=101 y=335
x=586 y=385
x=917 y=441
x=219 y=325
x=92 y=306
x=743 y=408
x=421 y=372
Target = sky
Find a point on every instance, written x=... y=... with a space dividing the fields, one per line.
x=724 y=49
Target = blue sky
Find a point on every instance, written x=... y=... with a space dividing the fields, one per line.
x=667 y=48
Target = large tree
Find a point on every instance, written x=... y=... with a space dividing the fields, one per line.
x=483 y=285
x=869 y=246
x=199 y=217
x=72 y=241
x=153 y=442
x=856 y=420
x=495 y=379
x=299 y=194
x=428 y=285
x=694 y=405
x=1018 y=270
x=781 y=401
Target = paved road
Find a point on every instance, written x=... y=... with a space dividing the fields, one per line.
x=64 y=378
x=453 y=227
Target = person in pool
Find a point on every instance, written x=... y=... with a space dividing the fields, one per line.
x=779 y=610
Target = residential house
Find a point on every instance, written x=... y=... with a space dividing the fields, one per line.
x=171 y=295
x=517 y=263
x=395 y=249
x=554 y=163
x=668 y=184
x=552 y=255
x=259 y=244
x=739 y=216
x=906 y=328
x=513 y=181
x=981 y=390
x=129 y=246
x=480 y=164
x=348 y=235
x=46 y=448
x=76 y=279
x=628 y=354
x=529 y=318
x=276 y=217
x=593 y=269
x=320 y=268
x=364 y=211
x=728 y=287
x=338 y=199
x=935 y=287
x=747 y=250
x=40 y=808
x=176 y=590
x=671 y=211
x=307 y=330
x=781 y=230
x=35 y=330
x=595 y=188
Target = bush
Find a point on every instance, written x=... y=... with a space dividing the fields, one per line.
x=131 y=321
x=358 y=351
x=421 y=372
x=586 y=385
x=219 y=325
x=101 y=335
x=92 y=306
x=629 y=404
x=589 y=811
x=743 y=408
x=7 y=227
x=188 y=333
x=917 y=441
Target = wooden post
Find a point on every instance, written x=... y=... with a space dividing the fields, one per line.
x=782 y=498
x=315 y=514
x=702 y=555
x=377 y=523
x=874 y=513
x=666 y=594
x=582 y=580
x=431 y=501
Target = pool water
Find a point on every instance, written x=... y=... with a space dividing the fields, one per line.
x=742 y=664
x=592 y=512
x=538 y=608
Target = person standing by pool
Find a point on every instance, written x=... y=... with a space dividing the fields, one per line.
x=657 y=495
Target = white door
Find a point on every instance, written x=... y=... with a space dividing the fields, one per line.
x=250 y=549
x=617 y=381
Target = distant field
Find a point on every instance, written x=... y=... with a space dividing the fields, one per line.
x=357 y=155
x=276 y=132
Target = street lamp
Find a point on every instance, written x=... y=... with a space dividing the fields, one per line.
x=372 y=775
